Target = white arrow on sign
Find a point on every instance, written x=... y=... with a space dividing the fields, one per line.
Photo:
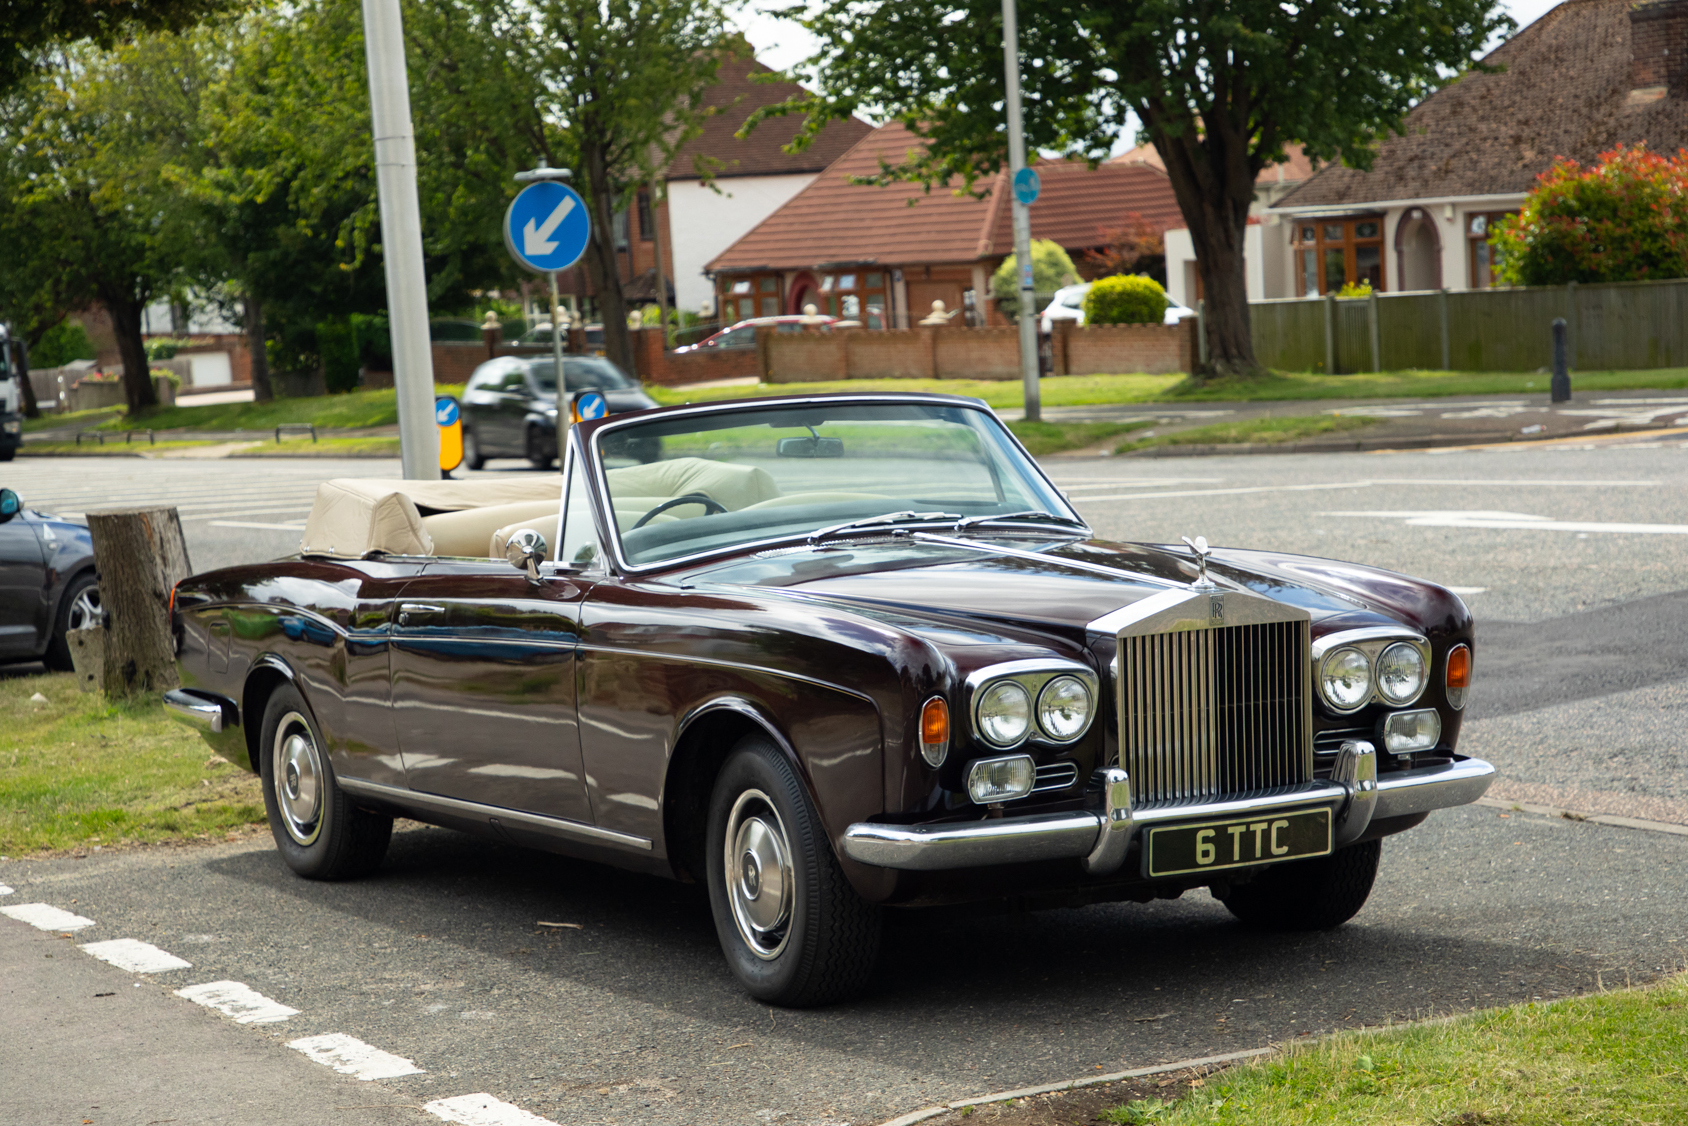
x=537 y=241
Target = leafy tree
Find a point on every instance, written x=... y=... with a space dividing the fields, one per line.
x=1051 y=269
x=1125 y=300
x=1624 y=219
x=1219 y=87
x=32 y=29
x=1134 y=247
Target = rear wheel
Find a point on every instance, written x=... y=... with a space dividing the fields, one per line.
x=793 y=929
x=318 y=831
x=78 y=609
x=472 y=456
x=1308 y=895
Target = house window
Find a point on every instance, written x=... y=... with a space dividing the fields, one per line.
x=1482 y=253
x=647 y=226
x=1331 y=253
x=757 y=295
x=856 y=297
x=620 y=230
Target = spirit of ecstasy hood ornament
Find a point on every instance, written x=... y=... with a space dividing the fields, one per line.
x=1199 y=548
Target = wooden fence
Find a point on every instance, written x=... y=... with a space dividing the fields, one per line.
x=1624 y=325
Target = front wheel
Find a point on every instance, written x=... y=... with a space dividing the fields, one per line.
x=472 y=456
x=793 y=929
x=78 y=609
x=318 y=831
x=1308 y=895
x=542 y=452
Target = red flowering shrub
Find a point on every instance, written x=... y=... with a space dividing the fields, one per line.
x=1625 y=219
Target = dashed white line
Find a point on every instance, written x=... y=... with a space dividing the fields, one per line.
x=238 y=1001
x=135 y=956
x=350 y=1056
x=44 y=916
x=1462 y=590
x=483 y=1110
x=257 y=524
x=4 y=890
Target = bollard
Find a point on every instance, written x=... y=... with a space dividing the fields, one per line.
x=1561 y=372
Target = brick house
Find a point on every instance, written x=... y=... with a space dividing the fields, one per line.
x=884 y=254
x=1586 y=76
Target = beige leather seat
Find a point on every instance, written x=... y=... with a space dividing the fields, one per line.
x=470 y=531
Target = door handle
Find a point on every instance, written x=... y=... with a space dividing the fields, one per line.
x=406 y=609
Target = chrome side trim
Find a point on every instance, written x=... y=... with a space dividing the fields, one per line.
x=1433 y=787
x=1056 y=836
x=552 y=826
x=198 y=710
x=1370 y=633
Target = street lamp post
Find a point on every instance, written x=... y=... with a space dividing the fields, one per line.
x=401 y=239
x=1021 y=214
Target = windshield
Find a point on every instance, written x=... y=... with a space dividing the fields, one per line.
x=581 y=373
x=718 y=481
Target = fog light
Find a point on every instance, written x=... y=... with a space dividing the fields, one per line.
x=934 y=731
x=1406 y=732
x=1001 y=779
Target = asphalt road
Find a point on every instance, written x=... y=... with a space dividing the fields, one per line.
x=1572 y=560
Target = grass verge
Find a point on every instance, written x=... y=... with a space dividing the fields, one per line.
x=1604 y=1058
x=1262 y=431
x=324 y=447
x=79 y=770
x=1041 y=438
x=353 y=410
x=1066 y=391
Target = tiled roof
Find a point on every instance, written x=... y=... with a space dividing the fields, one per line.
x=1295 y=165
x=738 y=96
x=833 y=220
x=1562 y=93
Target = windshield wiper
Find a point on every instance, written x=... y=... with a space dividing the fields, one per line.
x=870 y=522
x=1027 y=514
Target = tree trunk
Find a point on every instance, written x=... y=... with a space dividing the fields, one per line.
x=1212 y=177
x=137 y=372
x=262 y=392
x=602 y=265
x=31 y=409
x=141 y=556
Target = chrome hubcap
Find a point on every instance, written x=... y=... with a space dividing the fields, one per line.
x=758 y=871
x=85 y=609
x=298 y=778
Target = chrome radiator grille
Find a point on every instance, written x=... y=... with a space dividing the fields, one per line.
x=1211 y=713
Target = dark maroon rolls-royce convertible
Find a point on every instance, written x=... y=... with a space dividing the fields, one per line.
x=827 y=656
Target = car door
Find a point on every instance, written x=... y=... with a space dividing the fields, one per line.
x=483 y=687
x=22 y=575
x=482 y=400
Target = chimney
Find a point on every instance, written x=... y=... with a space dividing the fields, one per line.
x=1658 y=41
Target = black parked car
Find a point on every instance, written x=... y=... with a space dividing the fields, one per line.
x=47 y=584
x=510 y=405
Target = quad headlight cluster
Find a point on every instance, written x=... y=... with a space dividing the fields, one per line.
x=1023 y=700
x=1351 y=673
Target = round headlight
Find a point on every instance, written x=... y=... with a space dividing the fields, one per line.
x=1400 y=673
x=1345 y=679
x=1005 y=713
x=1063 y=708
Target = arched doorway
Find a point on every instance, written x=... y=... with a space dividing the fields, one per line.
x=1418 y=251
x=804 y=290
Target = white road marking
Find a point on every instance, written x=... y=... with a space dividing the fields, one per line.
x=43 y=916
x=1373 y=482
x=4 y=890
x=240 y=1002
x=1467 y=589
x=256 y=524
x=1517 y=522
x=483 y=1110
x=1139 y=482
x=350 y=1056
x=135 y=956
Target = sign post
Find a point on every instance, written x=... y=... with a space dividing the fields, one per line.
x=546 y=230
x=1022 y=217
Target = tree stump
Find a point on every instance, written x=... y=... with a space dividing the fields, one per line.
x=87 y=657
x=141 y=556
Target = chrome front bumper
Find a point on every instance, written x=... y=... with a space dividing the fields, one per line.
x=202 y=713
x=1103 y=837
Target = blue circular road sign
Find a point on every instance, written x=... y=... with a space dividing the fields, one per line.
x=445 y=411
x=546 y=227
x=1026 y=186
x=589 y=405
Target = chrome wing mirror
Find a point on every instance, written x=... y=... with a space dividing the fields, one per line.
x=526 y=550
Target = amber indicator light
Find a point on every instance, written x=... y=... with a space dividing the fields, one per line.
x=1459 y=667
x=934 y=723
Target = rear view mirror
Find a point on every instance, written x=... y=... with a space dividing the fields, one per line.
x=810 y=447
x=10 y=505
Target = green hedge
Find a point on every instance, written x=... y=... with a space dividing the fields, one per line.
x=1126 y=299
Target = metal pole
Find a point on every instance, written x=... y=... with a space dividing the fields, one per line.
x=661 y=273
x=1376 y=342
x=1561 y=371
x=401 y=239
x=563 y=416
x=1442 y=303
x=1022 y=214
x=1330 y=334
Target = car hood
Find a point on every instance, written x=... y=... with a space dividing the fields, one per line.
x=1018 y=585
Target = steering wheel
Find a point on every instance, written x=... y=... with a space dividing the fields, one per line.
x=710 y=507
